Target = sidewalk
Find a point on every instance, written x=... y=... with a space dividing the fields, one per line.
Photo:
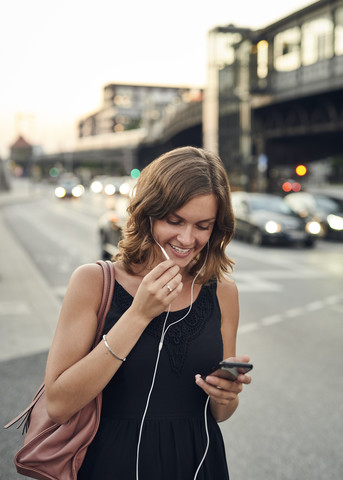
x=28 y=309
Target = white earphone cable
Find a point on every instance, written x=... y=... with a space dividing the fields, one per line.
x=164 y=331
x=208 y=439
x=149 y=394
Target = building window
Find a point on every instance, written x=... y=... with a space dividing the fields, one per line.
x=317 y=43
x=287 y=50
x=262 y=59
x=339 y=31
x=224 y=51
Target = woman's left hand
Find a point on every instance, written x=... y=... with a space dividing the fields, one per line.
x=223 y=391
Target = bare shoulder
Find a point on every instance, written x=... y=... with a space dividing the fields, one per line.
x=87 y=273
x=86 y=283
x=227 y=290
x=227 y=294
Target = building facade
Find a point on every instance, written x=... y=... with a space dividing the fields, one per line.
x=131 y=106
x=274 y=94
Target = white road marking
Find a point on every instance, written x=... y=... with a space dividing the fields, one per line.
x=311 y=307
x=272 y=320
x=294 y=312
x=14 y=307
x=333 y=302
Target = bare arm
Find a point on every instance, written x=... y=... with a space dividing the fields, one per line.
x=74 y=374
x=224 y=400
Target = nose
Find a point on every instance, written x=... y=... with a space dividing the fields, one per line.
x=185 y=236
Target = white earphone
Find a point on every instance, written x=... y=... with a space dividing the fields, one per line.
x=162 y=249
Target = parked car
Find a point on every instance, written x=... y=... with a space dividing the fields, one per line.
x=110 y=230
x=69 y=187
x=327 y=210
x=265 y=218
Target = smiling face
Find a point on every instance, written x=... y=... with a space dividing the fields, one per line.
x=182 y=199
x=185 y=232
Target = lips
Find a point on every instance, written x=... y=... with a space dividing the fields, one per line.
x=180 y=251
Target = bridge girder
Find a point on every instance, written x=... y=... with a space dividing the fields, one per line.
x=305 y=129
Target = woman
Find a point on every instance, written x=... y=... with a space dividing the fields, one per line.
x=170 y=321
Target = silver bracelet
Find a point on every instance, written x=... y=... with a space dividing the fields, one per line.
x=111 y=351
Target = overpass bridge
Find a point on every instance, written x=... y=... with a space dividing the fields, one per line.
x=274 y=98
x=279 y=100
x=183 y=126
x=275 y=94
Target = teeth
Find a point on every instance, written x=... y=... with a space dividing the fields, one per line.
x=180 y=250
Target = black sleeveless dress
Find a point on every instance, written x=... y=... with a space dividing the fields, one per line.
x=173 y=438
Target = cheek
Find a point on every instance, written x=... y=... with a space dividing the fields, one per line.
x=204 y=237
x=163 y=231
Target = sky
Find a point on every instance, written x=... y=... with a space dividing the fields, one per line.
x=56 y=56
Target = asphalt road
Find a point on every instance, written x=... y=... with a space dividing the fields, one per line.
x=290 y=419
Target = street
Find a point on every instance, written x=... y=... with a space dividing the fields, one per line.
x=290 y=420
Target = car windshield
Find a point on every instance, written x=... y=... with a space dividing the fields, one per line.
x=272 y=204
x=71 y=181
x=327 y=204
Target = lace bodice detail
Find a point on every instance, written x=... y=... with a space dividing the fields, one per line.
x=178 y=336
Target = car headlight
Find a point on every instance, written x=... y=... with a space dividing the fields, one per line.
x=110 y=189
x=272 y=227
x=60 y=192
x=77 y=191
x=313 y=227
x=96 y=187
x=124 y=189
x=335 y=222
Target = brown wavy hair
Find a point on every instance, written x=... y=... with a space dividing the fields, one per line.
x=163 y=187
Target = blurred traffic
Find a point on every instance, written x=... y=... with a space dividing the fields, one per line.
x=327 y=211
x=266 y=218
x=69 y=186
x=110 y=230
x=112 y=185
x=297 y=219
x=116 y=191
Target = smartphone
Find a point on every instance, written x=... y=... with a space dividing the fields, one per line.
x=229 y=370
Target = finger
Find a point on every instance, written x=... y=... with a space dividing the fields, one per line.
x=165 y=278
x=244 y=378
x=173 y=283
x=159 y=270
x=224 y=384
x=170 y=296
x=240 y=359
x=220 y=395
x=172 y=274
x=160 y=277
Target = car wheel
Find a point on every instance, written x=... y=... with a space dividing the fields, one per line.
x=256 y=237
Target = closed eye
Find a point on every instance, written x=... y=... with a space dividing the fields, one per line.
x=205 y=227
x=173 y=222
